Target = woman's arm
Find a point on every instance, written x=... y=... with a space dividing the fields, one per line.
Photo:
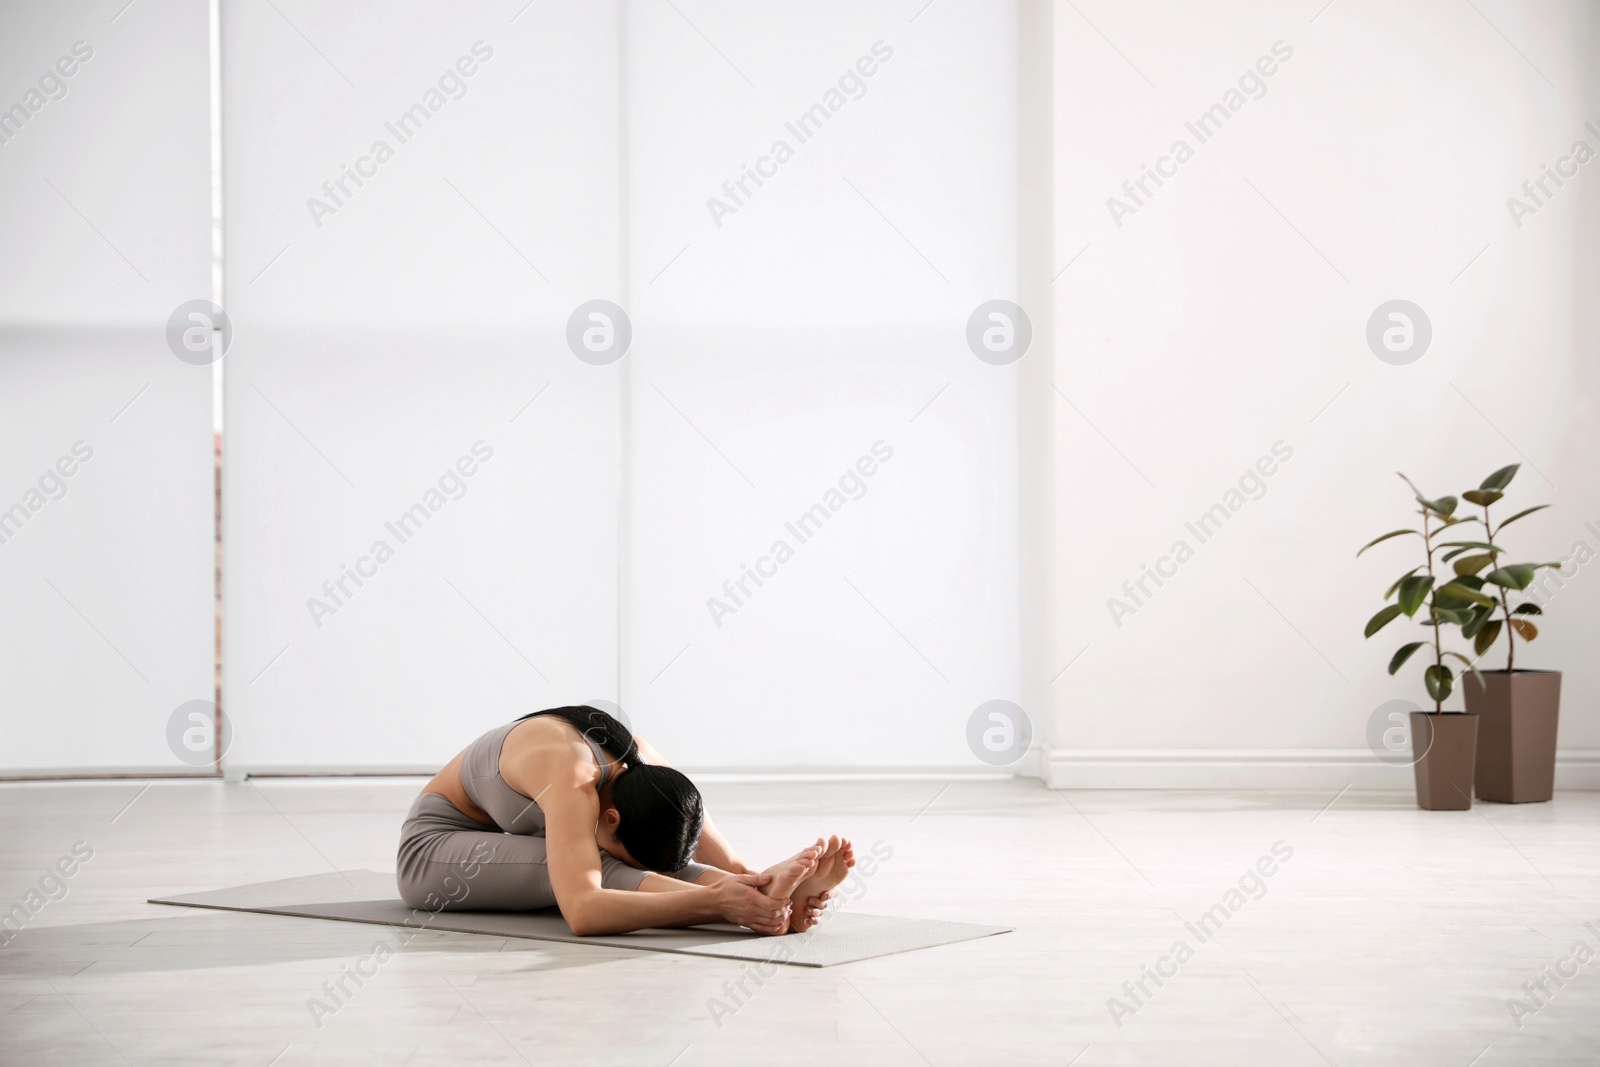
x=714 y=849
x=589 y=908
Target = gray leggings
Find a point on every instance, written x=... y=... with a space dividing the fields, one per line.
x=449 y=862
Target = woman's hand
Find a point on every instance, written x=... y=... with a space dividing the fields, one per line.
x=813 y=907
x=738 y=901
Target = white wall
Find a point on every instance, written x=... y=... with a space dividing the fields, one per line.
x=105 y=225
x=782 y=344
x=375 y=344
x=376 y=349
x=1228 y=314
x=769 y=355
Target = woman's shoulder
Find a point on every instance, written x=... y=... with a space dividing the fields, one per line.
x=550 y=749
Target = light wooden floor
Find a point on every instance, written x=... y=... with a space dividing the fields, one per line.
x=1391 y=936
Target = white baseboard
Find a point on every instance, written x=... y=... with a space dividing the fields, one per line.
x=239 y=772
x=108 y=774
x=1262 y=768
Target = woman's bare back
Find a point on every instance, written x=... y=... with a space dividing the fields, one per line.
x=537 y=753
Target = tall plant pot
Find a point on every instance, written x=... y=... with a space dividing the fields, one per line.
x=1517 y=715
x=1445 y=749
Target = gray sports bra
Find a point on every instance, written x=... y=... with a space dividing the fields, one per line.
x=510 y=810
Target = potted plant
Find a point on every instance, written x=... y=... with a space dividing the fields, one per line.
x=1443 y=743
x=1517 y=709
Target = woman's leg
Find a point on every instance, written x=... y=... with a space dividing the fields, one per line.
x=704 y=874
x=783 y=876
x=655 y=882
x=696 y=872
x=808 y=886
x=448 y=862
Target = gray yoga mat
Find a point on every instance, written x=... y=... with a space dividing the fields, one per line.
x=369 y=897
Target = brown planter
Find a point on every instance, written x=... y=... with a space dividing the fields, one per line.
x=1517 y=715
x=1444 y=746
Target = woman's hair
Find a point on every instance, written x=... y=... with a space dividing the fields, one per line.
x=661 y=809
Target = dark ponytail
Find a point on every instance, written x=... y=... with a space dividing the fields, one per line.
x=661 y=809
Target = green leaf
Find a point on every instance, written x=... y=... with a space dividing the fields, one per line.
x=1486 y=546
x=1500 y=478
x=1471 y=581
x=1525 y=629
x=1520 y=514
x=1471 y=666
x=1412 y=592
x=1385 y=537
x=1443 y=507
x=1456 y=520
x=1530 y=608
x=1472 y=564
x=1398 y=580
x=1512 y=575
x=1453 y=616
x=1404 y=654
x=1455 y=591
x=1383 y=618
x=1482 y=497
x=1474 y=624
x=1439 y=681
x=1486 y=637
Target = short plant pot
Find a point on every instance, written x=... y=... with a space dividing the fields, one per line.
x=1517 y=717
x=1445 y=749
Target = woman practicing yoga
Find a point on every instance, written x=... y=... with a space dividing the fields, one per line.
x=565 y=807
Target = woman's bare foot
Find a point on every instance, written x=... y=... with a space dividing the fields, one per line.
x=831 y=867
x=789 y=873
